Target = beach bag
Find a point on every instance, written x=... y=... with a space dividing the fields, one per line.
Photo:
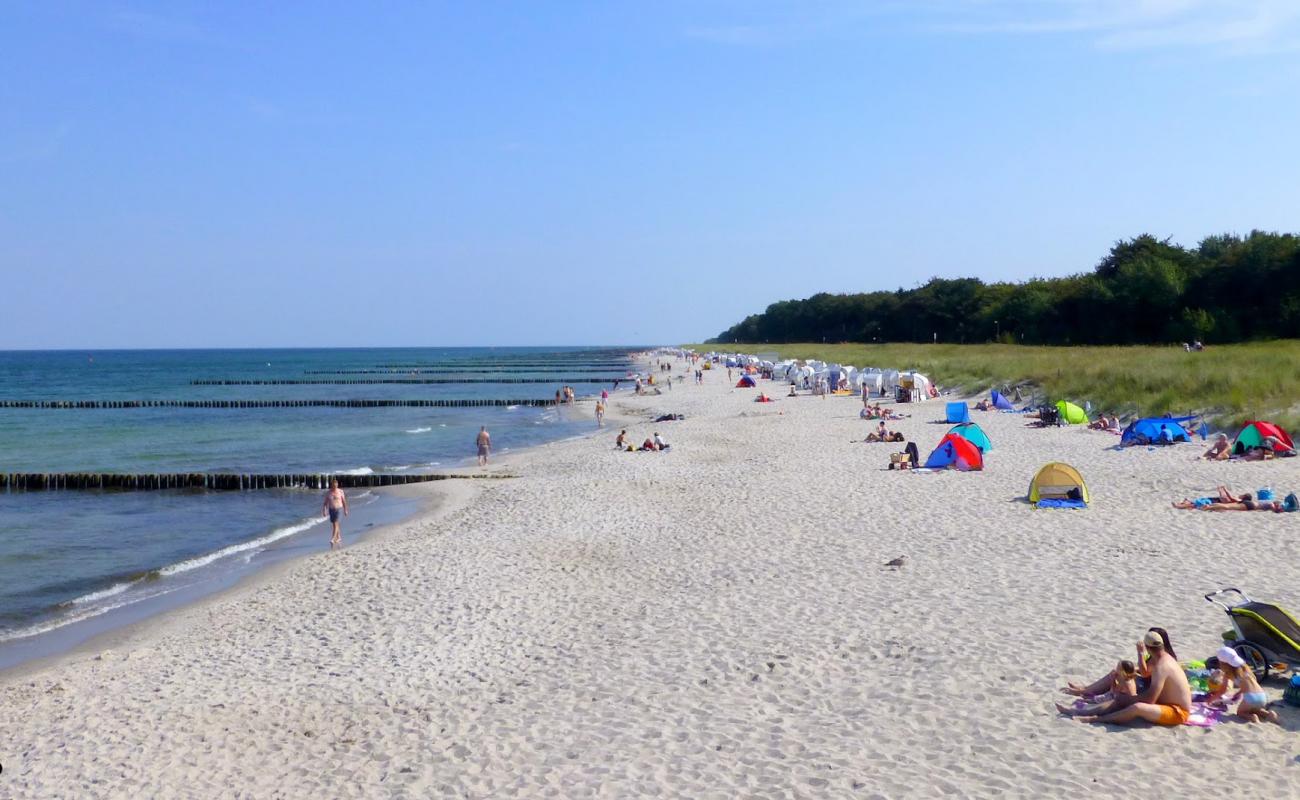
x=1291 y=503
x=1292 y=694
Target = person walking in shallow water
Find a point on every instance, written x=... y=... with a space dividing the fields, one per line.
x=484 y=442
x=335 y=505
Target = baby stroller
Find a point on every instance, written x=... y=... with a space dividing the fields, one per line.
x=1265 y=635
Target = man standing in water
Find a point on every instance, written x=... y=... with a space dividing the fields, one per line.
x=336 y=504
x=484 y=442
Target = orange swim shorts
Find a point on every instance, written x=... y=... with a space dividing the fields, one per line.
x=1172 y=715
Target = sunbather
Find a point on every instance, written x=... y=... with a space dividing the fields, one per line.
x=1221 y=450
x=1247 y=505
x=1223 y=496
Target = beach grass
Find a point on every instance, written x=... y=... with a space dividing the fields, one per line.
x=1228 y=384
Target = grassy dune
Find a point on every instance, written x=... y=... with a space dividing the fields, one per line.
x=1229 y=383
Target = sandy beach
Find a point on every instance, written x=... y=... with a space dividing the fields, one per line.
x=715 y=621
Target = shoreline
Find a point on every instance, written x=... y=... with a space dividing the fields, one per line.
x=715 y=620
x=49 y=647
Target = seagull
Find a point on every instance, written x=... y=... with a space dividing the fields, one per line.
x=896 y=563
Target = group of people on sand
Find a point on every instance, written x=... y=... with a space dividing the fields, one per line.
x=1105 y=423
x=878 y=412
x=1223 y=500
x=655 y=443
x=1154 y=688
x=883 y=434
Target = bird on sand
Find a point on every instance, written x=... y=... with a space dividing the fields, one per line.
x=897 y=562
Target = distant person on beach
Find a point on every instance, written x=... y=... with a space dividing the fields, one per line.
x=484 y=443
x=334 y=506
x=1220 y=497
x=621 y=441
x=1221 y=450
x=1166 y=700
x=600 y=413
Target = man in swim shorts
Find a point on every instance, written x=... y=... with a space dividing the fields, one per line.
x=336 y=504
x=484 y=442
x=1167 y=699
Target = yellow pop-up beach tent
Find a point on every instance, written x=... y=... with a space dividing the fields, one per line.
x=1055 y=480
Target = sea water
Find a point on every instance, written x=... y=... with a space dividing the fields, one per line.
x=67 y=557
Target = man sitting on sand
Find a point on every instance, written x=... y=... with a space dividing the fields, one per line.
x=1221 y=450
x=1166 y=700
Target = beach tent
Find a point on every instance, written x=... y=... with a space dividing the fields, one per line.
x=957 y=412
x=1070 y=413
x=1055 y=481
x=745 y=382
x=1253 y=433
x=1147 y=431
x=954 y=452
x=973 y=434
x=1000 y=402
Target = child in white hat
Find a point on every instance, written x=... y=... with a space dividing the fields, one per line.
x=1254 y=700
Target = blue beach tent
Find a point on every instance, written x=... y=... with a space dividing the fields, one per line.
x=1150 y=430
x=1001 y=403
x=958 y=412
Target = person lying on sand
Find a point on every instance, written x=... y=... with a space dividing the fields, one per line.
x=1221 y=450
x=1167 y=699
x=1223 y=496
x=1247 y=505
x=1107 y=681
x=982 y=405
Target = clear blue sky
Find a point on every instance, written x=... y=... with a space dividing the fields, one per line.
x=448 y=173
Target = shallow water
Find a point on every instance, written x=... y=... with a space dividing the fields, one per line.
x=69 y=556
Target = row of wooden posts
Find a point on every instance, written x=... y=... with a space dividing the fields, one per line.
x=418 y=371
x=470 y=403
x=65 y=481
x=410 y=381
x=622 y=363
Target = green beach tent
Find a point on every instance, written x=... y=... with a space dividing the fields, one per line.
x=974 y=434
x=1070 y=413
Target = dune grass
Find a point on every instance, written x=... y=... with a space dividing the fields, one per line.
x=1228 y=384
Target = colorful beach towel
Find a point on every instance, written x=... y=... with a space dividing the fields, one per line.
x=1203 y=715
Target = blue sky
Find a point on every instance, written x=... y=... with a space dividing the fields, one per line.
x=231 y=174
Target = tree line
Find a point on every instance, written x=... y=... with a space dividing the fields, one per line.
x=1229 y=288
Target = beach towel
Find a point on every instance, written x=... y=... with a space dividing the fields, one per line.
x=1060 y=503
x=1203 y=715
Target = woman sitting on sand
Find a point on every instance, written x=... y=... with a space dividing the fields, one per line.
x=1223 y=496
x=1221 y=450
x=1107 y=682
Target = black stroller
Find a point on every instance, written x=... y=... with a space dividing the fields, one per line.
x=1267 y=636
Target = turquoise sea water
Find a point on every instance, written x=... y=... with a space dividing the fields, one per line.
x=72 y=556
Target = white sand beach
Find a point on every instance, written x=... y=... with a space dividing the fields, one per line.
x=710 y=622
